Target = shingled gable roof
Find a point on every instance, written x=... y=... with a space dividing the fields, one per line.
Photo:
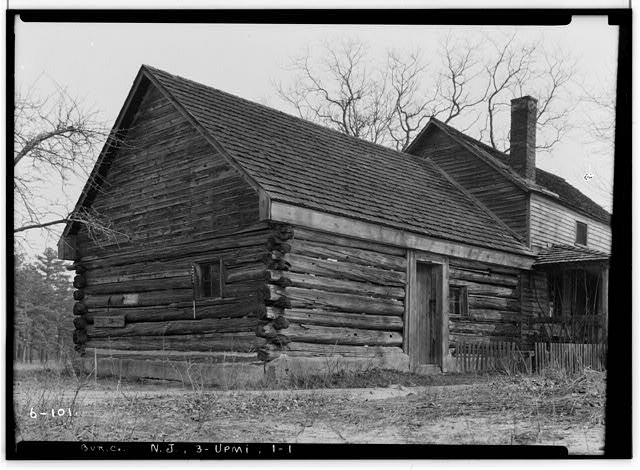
x=307 y=165
x=546 y=183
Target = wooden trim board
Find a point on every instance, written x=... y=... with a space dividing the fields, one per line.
x=339 y=225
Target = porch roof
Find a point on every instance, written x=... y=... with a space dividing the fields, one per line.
x=561 y=254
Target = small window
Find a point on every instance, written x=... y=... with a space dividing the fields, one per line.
x=458 y=300
x=581 y=233
x=209 y=279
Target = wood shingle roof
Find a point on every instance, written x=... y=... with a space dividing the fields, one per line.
x=561 y=254
x=308 y=165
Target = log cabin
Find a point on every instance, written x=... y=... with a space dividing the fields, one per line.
x=565 y=295
x=248 y=239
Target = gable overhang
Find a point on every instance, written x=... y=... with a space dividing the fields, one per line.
x=340 y=225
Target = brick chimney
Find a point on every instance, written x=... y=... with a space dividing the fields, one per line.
x=522 y=154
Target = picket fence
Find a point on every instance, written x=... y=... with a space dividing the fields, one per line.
x=474 y=356
x=570 y=357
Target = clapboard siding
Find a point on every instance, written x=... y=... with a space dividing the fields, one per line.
x=491 y=188
x=494 y=302
x=552 y=223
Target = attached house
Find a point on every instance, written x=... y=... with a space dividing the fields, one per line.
x=251 y=239
x=571 y=235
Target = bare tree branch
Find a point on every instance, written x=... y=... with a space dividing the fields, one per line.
x=473 y=84
x=56 y=139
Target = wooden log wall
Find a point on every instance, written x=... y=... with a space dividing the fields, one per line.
x=535 y=305
x=144 y=299
x=334 y=295
x=167 y=184
x=494 y=312
x=174 y=201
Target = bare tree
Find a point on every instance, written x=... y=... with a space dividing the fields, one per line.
x=472 y=82
x=340 y=91
x=55 y=141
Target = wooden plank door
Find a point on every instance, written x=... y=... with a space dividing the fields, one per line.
x=428 y=313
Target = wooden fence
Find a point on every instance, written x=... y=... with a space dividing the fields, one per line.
x=474 y=356
x=570 y=357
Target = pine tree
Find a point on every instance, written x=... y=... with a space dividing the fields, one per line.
x=43 y=305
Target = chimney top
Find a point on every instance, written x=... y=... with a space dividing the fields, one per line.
x=524 y=98
x=522 y=155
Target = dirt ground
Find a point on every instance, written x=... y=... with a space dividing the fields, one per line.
x=473 y=410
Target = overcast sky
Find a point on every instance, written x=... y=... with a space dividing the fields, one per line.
x=98 y=63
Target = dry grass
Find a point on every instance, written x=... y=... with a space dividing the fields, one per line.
x=405 y=408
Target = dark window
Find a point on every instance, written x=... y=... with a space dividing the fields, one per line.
x=581 y=233
x=458 y=300
x=211 y=277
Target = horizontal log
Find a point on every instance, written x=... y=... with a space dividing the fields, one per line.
x=276 y=243
x=313 y=349
x=280 y=323
x=248 y=272
x=454 y=338
x=140 y=299
x=277 y=297
x=337 y=335
x=177 y=327
x=80 y=322
x=490 y=315
x=102 y=276
x=109 y=321
x=337 y=285
x=256 y=291
x=485 y=302
x=355 y=272
x=349 y=254
x=347 y=320
x=332 y=239
x=77 y=267
x=278 y=265
x=178 y=266
x=317 y=299
x=266 y=330
x=487 y=289
x=139 y=286
x=151 y=314
x=238 y=342
x=79 y=337
x=456 y=275
x=79 y=281
x=266 y=355
x=79 y=308
x=180 y=250
x=468 y=264
x=498 y=329
x=208 y=357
